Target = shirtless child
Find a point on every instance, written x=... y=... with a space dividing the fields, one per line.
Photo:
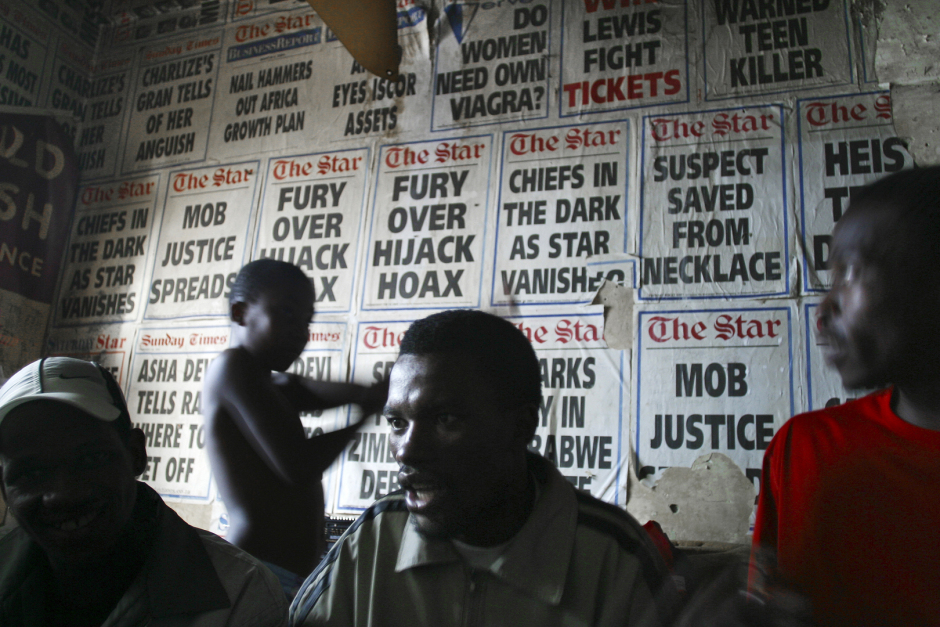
x=267 y=470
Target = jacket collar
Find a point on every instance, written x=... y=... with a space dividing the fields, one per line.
x=537 y=558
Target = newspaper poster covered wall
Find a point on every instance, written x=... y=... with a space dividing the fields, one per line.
x=203 y=239
x=311 y=216
x=492 y=63
x=713 y=217
x=106 y=259
x=846 y=142
x=623 y=55
x=164 y=398
x=756 y=47
x=711 y=380
x=428 y=225
x=516 y=67
x=563 y=200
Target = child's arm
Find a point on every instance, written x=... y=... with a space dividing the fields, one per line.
x=267 y=419
x=308 y=395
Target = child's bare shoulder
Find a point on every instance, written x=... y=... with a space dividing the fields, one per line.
x=233 y=367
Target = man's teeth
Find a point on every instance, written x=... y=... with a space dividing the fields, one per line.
x=76 y=523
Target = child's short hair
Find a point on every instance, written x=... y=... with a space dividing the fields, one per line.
x=261 y=274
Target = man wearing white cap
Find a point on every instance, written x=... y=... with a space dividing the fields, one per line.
x=95 y=546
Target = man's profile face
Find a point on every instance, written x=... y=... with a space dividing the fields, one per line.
x=864 y=319
x=456 y=446
x=68 y=478
x=278 y=322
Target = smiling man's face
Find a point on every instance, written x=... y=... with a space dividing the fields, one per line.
x=69 y=479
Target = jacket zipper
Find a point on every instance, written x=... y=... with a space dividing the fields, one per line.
x=473 y=608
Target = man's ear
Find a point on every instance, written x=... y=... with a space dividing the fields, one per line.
x=137 y=445
x=237 y=312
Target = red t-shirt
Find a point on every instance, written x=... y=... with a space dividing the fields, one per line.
x=849 y=502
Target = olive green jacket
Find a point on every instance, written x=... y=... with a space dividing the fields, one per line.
x=576 y=562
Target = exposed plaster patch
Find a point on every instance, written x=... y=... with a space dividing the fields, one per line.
x=618 y=314
x=710 y=502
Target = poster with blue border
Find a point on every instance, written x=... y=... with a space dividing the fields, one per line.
x=164 y=395
x=427 y=226
x=562 y=201
x=618 y=55
x=846 y=142
x=203 y=240
x=312 y=212
x=713 y=205
x=716 y=380
x=104 y=277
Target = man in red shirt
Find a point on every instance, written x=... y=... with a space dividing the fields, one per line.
x=847 y=514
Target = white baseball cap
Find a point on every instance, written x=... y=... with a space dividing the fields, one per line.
x=75 y=382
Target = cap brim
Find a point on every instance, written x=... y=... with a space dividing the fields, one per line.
x=102 y=410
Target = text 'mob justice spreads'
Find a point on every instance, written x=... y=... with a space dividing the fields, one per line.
x=713 y=216
x=581 y=418
x=711 y=381
x=103 y=279
x=562 y=201
x=311 y=216
x=620 y=55
x=846 y=142
x=428 y=223
x=202 y=243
